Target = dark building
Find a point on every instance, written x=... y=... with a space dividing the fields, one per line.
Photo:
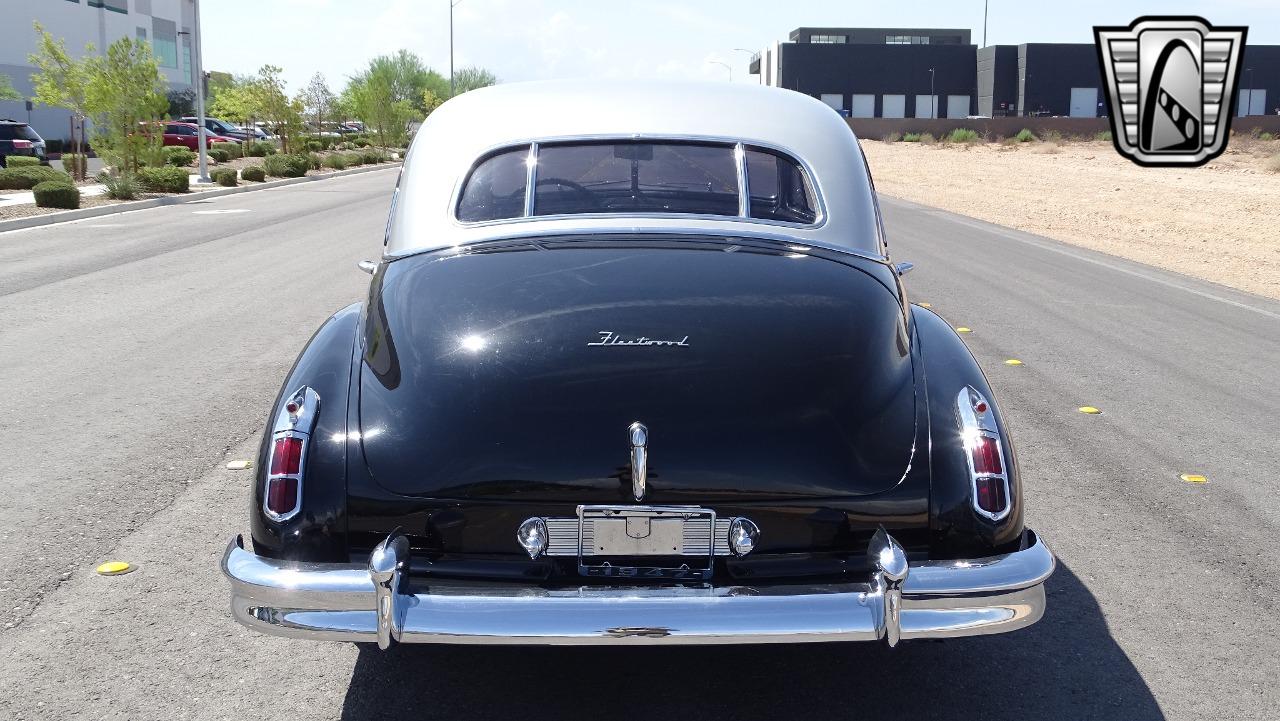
x=923 y=73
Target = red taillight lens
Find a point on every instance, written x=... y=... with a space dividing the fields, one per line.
x=986 y=456
x=282 y=495
x=991 y=496
x=286 y=456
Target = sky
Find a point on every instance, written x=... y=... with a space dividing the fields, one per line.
x=545 y=39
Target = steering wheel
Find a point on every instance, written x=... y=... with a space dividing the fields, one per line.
x=580 y=190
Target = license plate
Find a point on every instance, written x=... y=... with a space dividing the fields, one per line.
x=646 y=541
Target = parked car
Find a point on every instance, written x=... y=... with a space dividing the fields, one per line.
x=188 y=135
x=20 y=139
x=636 y=367
x=258 y=134
x=217 y=127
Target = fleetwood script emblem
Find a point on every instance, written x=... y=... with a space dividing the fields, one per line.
x=609 y=338
x=1171 y=84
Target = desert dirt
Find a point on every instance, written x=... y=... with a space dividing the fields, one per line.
x=1219 y=222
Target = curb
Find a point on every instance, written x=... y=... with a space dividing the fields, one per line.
x=36 y=221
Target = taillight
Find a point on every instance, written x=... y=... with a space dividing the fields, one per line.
x=22 y=145
x=282 y=494
x=985 y=455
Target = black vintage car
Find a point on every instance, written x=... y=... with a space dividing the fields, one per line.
x=636 y=367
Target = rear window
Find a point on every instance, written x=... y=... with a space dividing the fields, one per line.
x=17 y=132
x=636 y=178
x=640 y=177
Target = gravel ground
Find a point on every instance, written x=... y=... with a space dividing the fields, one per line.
x=1219 y=222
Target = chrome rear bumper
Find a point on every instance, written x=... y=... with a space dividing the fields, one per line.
x=349 y=602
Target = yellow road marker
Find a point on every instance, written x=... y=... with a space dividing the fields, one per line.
x=925 y=305
x=114 y=568
x=239 y=465
x=1193 y=478
x=963 y=329
x=1013 y=362
x=1090 y=410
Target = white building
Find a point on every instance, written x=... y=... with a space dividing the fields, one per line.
x=97 y=22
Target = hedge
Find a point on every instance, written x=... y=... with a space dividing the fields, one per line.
x=254 y=173
x=260 y=149
x=337 y=161
x=233 y=150
x=286 y=166
x=26 y=178
x=165 y=180
x=224 y=176
x=221 y=156
x=354 y=158
x=178 y=156
x=56 y=194
x=21 y=161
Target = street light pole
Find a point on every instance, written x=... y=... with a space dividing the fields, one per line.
x=1249 y=110
x=985 y=3
x=199 y=83
x=452 y=4
x=725 y=65
x=933 y=99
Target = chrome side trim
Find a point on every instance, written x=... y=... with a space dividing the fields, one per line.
x=353 y=602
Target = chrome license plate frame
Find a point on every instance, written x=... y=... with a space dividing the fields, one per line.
x=622 y=535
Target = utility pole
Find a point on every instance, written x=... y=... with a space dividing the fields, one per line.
x=452 y=4
x=933 y=99
x=985 y=3
x=199 y=86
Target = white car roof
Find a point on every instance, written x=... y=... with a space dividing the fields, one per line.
x=467 y=128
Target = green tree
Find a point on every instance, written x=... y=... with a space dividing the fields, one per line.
x=407 y=76
x=235 y=99
x=7 y=91
x=472 y=78
x=276 y=106
x=124 y=91
x=61 y=81
x=374 y=100
x=318 y=100
x=431 y=101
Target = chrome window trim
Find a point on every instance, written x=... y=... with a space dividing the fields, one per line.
x=530 y=179
x=743 y=191
x=746 y=233
x=744 y=185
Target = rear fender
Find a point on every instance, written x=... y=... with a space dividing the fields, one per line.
x=958 y=530
x=319 y=531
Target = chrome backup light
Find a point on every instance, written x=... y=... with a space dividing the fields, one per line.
x=532 y=536
x=984 y=454
x=743 y=534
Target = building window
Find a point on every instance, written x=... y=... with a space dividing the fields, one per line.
x=141 y=34
x=164 y=40
x=829 y=39
x=186 y=57
x=906 y=39
x=118 y=6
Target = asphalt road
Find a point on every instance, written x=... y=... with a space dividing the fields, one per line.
x=139 y=352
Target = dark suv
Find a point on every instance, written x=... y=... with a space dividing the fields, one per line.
x=20 y=139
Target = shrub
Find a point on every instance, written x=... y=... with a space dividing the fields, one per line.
x=27 y=177
x=337 y=161
x=71 y=160
x=1052 y=136
x=164 y=180
x=355 y=158
x=56 y=194
x=119 y=187
x=314 y=161
x=964 y=135
x=315 y=146
x=260 y=149
x=1273 y=164
x=1025 y=136
x=373 y=157
x=178 y=156
x=927 y=139
x=254 y=173
x=22 y=161
x=1048 y=148
x=1009 y=142
x=1266 y=136
x=224 y=176
x=286 y=166
x=220 y=156
x=892 y=137
x=1104 y=136
x=233 y=150
x=361 y=142
x=911 y=138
